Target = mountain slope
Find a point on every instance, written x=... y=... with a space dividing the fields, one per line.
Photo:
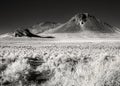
x=39 y=28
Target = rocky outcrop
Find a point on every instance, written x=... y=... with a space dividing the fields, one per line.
x=27 y=33
x=24 y=32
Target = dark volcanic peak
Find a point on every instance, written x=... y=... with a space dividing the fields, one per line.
x=81 y=17
x=84 y=22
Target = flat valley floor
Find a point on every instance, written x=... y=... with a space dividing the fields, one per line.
x=34 y=62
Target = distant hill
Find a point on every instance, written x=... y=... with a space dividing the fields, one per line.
x=6 y=35
x=32 y=31
x=43 y=26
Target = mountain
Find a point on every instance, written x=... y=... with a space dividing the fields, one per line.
x=82 y=25
x=41 y=27
x=84 y=22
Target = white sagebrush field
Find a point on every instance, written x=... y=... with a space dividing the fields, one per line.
x=78 y=64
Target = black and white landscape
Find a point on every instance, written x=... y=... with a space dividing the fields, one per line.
x=82 y=51
x=78 y=52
